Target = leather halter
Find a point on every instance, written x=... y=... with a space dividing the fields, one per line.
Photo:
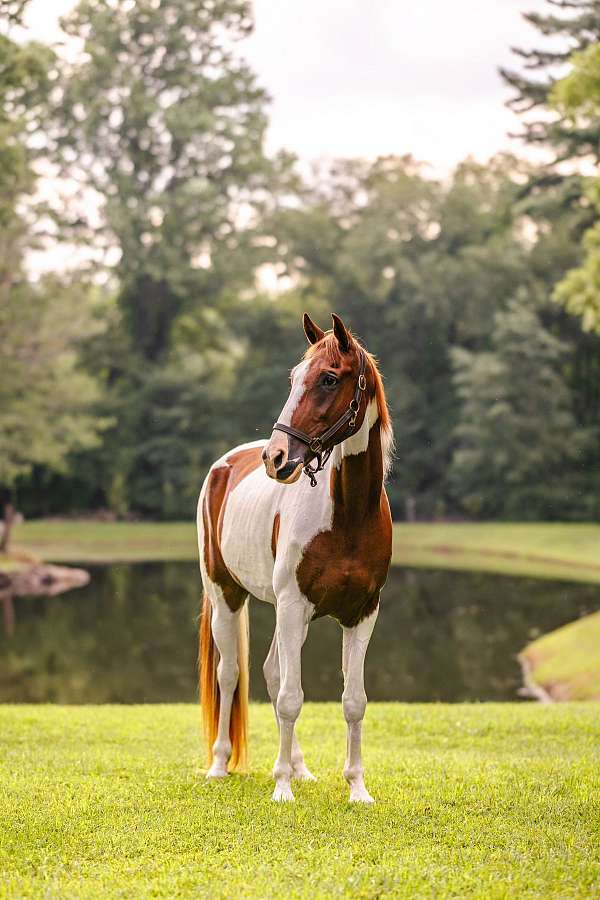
x=322 y=445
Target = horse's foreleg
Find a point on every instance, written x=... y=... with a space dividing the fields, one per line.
x=354 y=702
x=225 y=632
x=273 y=680
x=293 y=617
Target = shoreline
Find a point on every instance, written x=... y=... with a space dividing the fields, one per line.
x=549 y=550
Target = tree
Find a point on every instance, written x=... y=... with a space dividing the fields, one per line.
x=577 y=96
x=160 y=120
x=415 y=267
x=25 y=71
x=571 y=25
x=163 y=121
x=516 y=441
x=46 y=401
x=567 y=26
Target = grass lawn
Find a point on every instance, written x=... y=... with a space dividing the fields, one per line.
x=546 y=550
x=566 y=662
x=494 y=801
x=70 y=541
x=537 y=550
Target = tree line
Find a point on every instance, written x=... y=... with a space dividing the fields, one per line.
x=127 y=374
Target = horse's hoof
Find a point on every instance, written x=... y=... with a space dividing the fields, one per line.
x=282 y=794
x=303 y=774
x=361 y=795
x=216 y=772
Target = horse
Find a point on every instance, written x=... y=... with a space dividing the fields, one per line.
x=301 y=521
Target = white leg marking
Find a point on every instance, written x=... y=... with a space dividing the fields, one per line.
x=225 y=633
x=272 y=678
x=354 y=702
x=293 y=616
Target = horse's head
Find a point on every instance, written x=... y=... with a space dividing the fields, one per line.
x=325 y=401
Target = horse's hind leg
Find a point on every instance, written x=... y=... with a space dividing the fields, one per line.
x=354 y=702
x=273 y=680
x=224 y=624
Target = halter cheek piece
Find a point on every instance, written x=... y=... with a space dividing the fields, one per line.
x=322 y=445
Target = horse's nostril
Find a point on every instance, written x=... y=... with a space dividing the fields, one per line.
x=278 y=460
x=264 y=455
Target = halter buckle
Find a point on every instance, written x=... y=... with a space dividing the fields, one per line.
x=362 y=382
x=315 y=445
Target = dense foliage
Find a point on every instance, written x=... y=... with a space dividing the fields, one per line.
x=47 y=399
x=494 y=388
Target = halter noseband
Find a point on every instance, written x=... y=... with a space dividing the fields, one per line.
x=322 y=445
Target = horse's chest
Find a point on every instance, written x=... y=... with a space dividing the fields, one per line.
x=342 y=575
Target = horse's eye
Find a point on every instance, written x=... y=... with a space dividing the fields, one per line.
x=329 y=380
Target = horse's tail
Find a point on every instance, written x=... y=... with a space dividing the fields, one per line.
x=210 y=698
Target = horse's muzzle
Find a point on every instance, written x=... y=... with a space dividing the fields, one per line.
x=276 y=457
x=291 y=472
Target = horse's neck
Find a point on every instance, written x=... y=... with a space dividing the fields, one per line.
x=357 y=474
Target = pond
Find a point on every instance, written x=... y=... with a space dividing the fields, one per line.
x=130 y=637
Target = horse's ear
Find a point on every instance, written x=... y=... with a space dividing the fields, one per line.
x=341 y=333
x=313 y=332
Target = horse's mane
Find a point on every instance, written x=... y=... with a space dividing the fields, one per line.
x=330 y=347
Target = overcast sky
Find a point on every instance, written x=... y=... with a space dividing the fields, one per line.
x=359 y=78
x=371 y=77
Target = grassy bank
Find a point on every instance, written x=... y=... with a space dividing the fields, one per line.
x=565 y=664
x=68 y=541
x=546 y=550
x=487 y=801
x=538 y=550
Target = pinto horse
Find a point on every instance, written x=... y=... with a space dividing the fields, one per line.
x=312 y=544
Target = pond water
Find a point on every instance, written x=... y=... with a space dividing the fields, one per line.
x=130 y=637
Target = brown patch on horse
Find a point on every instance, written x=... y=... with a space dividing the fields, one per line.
x=343 y=570
x=275 y=534
x=242 y=463
x=221 y=481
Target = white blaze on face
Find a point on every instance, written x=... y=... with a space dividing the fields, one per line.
x=277 y=450
x=296 y=393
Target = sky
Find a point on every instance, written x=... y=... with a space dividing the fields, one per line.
x=375 y=77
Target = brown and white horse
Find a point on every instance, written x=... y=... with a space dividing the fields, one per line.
x=312 y=546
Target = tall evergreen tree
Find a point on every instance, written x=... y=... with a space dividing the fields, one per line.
x=570 y=25
x=578 y=97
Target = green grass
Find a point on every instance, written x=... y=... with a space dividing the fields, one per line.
x=543 y=550
x=537 y=550
x=489 y=801
x=566 y=662
x=71 y=541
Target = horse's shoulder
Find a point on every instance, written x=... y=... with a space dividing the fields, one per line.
x=236 y=464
